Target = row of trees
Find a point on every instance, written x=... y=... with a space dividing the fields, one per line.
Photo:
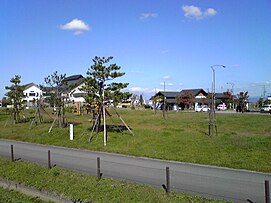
x=99 y=86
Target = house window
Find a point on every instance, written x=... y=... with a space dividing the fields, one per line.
x=32 y=94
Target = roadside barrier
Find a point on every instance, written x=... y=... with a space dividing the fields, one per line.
x=166 y=186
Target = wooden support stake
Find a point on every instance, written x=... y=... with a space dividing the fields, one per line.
x=267 y=192
x=12 y=153
x=167 y=180
x=49 y=160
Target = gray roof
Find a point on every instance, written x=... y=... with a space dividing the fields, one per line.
x=72 y=78
x=220 y=95
x=29 y=85
x=195 y=92
x=71 y=82
x=168 y=94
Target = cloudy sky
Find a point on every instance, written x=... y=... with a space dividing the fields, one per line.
x=156 y=42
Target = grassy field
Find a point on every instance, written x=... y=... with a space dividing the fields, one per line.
x=77 y=186
x=243 y=141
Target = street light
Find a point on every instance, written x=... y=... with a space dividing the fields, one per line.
x=212 y=114
x=164 y=106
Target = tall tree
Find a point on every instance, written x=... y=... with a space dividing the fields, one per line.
x=141 y=100
x=133 y=101
x=242 y=100
x=228 y=98
x=118 y=96
x=55 y=81
x=186 y=99
x=99 y=85
x=5 y=101
x=15 y=95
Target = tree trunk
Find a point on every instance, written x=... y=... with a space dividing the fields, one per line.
x=14 y=117
x=59 y=118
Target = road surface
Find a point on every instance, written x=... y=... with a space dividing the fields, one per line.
x=215 y=182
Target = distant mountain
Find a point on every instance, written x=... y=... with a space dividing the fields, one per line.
x=253 y=99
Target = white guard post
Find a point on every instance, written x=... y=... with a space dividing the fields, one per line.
x=71 y=131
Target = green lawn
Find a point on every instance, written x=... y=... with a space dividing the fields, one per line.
x=243 y=141
x=78 y=186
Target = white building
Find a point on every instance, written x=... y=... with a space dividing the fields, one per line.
x=72 y=89
x=31 y=93
x=76 y=95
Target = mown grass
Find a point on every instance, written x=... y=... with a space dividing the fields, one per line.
x=243 y=140
x=11 y=196
x=86 y=188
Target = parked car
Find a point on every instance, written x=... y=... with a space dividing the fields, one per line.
x=221 y=107
x=266 y=108
x=202 y=108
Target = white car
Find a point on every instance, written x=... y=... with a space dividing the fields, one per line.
x=202 y=108
x=222 y=107
x=266 y=108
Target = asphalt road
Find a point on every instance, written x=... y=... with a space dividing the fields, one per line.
x=216 y=182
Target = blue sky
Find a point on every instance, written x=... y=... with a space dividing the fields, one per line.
x=154 y=41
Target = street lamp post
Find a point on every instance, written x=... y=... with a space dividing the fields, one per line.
x=212 y=122
x=164 y=105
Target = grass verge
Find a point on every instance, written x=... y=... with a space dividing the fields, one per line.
x=85 y=187
x=243 y=141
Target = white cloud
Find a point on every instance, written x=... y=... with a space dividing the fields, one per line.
x=195 y=12
x=166 y=77
x=78 y=32
x=144 y=16
x=158 y=90
x=263 y=83
x=76 y=25
x=210 y=12
x=235 y=65
x=192 y=11
x=165 y=51
x=167 y=84
x=138 y=89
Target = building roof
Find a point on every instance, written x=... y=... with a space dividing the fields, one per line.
x=220 y=95
x=171 y=95
x=29 y=85
x=72 y=77
x=168 y=94
x=72 y=82
x=195 y=92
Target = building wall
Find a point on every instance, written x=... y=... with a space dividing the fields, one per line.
x=32 y=93
x=76 y=91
